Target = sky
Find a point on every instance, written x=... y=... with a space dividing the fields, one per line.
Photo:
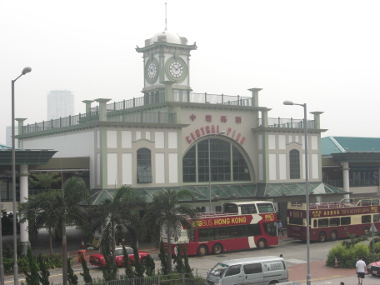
x=324 y=53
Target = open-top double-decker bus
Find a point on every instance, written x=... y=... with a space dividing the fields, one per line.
x=333 y=220
x=242 y=225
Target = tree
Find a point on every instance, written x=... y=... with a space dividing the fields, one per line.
x=71 y=276
x=31 y=271
x=44 y=272
x=86 y=271
x=164 y=214
x=42 y=210
x=121 y=210
x=110 y=269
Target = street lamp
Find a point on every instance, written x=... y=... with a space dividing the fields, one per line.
x=15 y=266
x=209 y=167
x=308 y=276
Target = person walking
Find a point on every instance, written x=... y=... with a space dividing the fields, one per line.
x=280 y=229
x=361 y=269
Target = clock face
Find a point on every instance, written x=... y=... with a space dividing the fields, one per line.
x=176 y=69
x=151 y=70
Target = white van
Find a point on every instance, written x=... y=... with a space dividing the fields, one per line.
x=255 y=270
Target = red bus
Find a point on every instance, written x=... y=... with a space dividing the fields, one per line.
x=242 y=225
x=333 y=220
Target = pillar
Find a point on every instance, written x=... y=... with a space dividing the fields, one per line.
x=255 y=96
x=317 y=119
x=103 y=142
x=24 y=193
x=346 y=179
x=88 y=105
x=20 y=125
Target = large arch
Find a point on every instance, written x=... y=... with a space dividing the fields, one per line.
x=228 y=161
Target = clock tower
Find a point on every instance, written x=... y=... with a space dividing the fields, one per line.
x=166 y=68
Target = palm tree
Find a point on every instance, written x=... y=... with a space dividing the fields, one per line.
x=121 y=211
x=165 y=214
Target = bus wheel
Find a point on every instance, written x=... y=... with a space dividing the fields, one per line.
x=261 y=244
x=217 y=248
x=334 y=235
x=202 y=250
x=322 y=237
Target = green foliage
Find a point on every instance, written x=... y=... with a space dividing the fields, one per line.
x=110 y=270
x=127 y=265
x=164 y=260
x=149 y=265
x=71 y=276
x=188 y=269
x=139 y=266
x=44 y=272
x=31 y=272
x=178 y=260
x=45 y=181
x=86 y=272
x=165 y=213
x=347 y=256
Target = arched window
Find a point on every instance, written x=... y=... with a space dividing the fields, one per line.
x=144 y=166
x=226 y=162
x=294 y=164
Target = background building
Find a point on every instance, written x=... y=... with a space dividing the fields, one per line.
x=60 y=103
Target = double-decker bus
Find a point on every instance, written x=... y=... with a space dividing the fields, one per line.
x=242 y=225
x=333 y=220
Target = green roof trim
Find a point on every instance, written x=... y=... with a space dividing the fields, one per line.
x=25 y=156
x=331 y=145
x=225 y=192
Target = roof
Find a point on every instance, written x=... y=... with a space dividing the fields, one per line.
x=331 y=145
x=226 y=192
x=25 y=156
x=252 y=259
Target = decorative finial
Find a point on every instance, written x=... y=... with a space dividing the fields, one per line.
x=166 y=17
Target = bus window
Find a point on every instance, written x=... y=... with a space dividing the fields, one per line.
x=205 y=234
x=322 y=223
x=248 y=209
x=270 y=229
x=314 y=223
x=334 y=222
x=376 y=218
x=345 y=221
x=265 y=207
x=366 y=219
x=222 y=233
x=230 y=208
x=295 y=221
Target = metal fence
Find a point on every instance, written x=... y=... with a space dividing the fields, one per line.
x=197 y=278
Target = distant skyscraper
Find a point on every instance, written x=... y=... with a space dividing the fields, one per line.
x=60 y=103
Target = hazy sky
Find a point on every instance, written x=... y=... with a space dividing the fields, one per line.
x=324 y=53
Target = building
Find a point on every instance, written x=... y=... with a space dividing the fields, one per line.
x=221 y=147
x=352 y=163
x=60 y=104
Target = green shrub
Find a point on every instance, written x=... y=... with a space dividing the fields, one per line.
x=348 y=256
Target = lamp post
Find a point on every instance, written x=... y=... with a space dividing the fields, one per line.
x=209 y=167
x=15 y=266
x=308 y=276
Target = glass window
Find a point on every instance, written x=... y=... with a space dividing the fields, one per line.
x=295 y=221
x=376 y=218
x=270 y=229
x=144 y=166
x=252 y=268
x=230 y=208
x=345 y=221
x=224 y=165
x=322 y=223
x=206 y=234
x=265 y=207
x=334 y=222
x=240 y=167
x=366 y=219
x=233 y=270
x=248 y=209
x=294 y=164
x=188 y=166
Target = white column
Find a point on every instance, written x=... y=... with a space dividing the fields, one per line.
x=346 y=179
x=24 y=193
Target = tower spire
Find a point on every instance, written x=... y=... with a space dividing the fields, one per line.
x=166 y=17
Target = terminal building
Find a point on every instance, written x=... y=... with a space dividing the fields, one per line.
x=221 y=147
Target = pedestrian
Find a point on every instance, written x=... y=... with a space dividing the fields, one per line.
x=280 y=228
x=361 y=269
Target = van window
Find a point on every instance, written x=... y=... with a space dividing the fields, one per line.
x=252 y=268
x=233 y=270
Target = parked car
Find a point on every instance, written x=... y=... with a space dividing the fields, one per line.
x=99 y=261
x=374 y=268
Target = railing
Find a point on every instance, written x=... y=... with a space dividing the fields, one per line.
x=288 y=123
